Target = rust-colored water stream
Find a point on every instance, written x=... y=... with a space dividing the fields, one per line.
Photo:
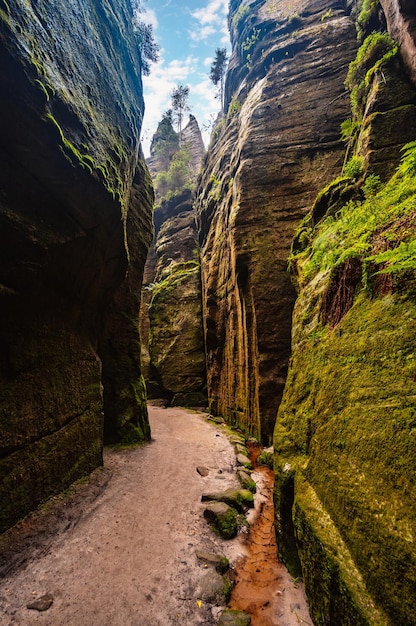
x=262 y=587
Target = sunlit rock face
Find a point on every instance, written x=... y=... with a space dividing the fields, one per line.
x=171 y=317
x=75 y=225
x=344 y=438
x=191 y=139
x=277 y=145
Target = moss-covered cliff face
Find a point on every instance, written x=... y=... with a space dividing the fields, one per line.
x=276 y=146
x=345 y=432
x=74 y=229
x=171 y=318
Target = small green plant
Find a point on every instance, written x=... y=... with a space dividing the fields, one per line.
x=368 y=9
x=240 y=15
x=349 y=129
x=249 y=43
x=408 y=162
x=266 y=458
x=217 y=130
x=375 y=51
x=227 y=588
x=371 y=186
x=215 y=191
x=396 y=260
x=326 y=15
x=354 y=168
x=234 y=107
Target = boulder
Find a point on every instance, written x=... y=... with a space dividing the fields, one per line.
x=237 y=498
x=223 y=518
x=246 y=480
x=230 y=617
x=212 y=587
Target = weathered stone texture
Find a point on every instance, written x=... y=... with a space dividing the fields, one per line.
x=191 y=139
x=75 y=207
x=171 y=318
x=278 y=144
x=172 y=327
x=401 y=23
x=344 y=442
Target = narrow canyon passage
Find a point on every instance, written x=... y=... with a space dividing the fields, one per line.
x=127 y=554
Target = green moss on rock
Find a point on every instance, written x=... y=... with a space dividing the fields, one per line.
x=345 y=435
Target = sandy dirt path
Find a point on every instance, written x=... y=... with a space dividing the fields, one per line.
x=123 y=552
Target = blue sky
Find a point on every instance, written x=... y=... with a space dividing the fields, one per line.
x=188 y=34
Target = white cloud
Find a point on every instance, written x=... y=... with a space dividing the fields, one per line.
x=202 y=33
x=157 y=90
x=149 y=17
x=212 y=18
x=212 y=13
x=201 y=30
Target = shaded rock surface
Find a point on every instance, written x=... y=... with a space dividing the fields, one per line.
x=276 y=146
x=401 y=23
x=74 y=229
x=171 y=320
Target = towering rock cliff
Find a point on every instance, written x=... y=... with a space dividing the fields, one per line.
x=345 y=432
x=278 y=186
x=276 y=146
x=171 y=318
x=75 y=224
x=191 y=139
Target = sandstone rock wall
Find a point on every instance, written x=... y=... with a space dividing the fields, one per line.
x=401 y=22
x=171 y=318
x=75 y=224
x=191 y=139
x=344 y=436
x=278 y=143
x=172 y=307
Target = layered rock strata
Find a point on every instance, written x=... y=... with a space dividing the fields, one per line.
x=171 y=319
x=345 y=438
x=75 y=224
x=277 y=144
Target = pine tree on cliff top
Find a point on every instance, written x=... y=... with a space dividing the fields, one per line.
x=180 y=95
x=217 y=72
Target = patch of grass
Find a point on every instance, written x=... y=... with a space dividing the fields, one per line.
x=234 y=107
x=354 y=231
x=354 y=168
x=375 y=52
x=266 y=458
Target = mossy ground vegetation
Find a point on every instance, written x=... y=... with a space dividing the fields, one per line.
x=373 y=55
x=378 y=229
